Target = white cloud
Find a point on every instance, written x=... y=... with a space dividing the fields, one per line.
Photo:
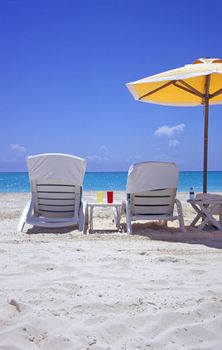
x=101 y=157
x=174 y=143
x=135 y=158
x=162 y=157
x=98 y=159
x=18 y=148
x=169 y=131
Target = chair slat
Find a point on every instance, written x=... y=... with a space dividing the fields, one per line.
x=54 y=182
x=56 y=214
x=152 y=200
x=55 y=188
x=56 y=208
x=56 y=201
x=56 y=195
x=144 y=210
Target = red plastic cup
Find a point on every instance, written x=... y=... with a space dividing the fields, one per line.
x=110 y=197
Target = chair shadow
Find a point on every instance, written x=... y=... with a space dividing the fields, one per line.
x=209 y=237
x=44 y=230
x=105 y=231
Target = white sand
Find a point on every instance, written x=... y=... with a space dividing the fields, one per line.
x=153 y=290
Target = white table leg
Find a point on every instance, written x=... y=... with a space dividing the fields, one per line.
x=117 y=217
x=209 y=217
x=91 y=218
x=198 y=216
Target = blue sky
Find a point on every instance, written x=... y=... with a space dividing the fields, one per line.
x=63 y=69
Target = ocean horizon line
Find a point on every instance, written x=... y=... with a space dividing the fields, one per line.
x=112 y=171
x=115 y=180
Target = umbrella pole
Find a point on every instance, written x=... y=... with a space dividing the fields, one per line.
x=206 y=111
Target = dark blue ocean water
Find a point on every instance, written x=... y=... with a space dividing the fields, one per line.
x=19 y=182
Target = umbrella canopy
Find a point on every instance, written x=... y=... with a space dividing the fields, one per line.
x=199 y=83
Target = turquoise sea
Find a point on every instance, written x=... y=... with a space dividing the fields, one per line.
x=116 y=181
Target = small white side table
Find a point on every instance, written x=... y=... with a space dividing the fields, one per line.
x=116 y=205
x=205 y=210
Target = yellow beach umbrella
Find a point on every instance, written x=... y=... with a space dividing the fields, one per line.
x=199 y=83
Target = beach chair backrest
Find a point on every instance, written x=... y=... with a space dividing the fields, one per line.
x=56 y=184
x=151 y=188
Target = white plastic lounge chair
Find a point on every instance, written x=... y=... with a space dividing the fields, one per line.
x=56 y=190
x=151 y=193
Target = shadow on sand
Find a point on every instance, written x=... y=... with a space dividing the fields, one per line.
x=56 y=231
x=209 y=237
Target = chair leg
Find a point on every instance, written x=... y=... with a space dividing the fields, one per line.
x=128 y=220
x=21 y=225
x=180 y=215
x=116 y=217
x=85 y=227
x=83 y=217
x=23 y=217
